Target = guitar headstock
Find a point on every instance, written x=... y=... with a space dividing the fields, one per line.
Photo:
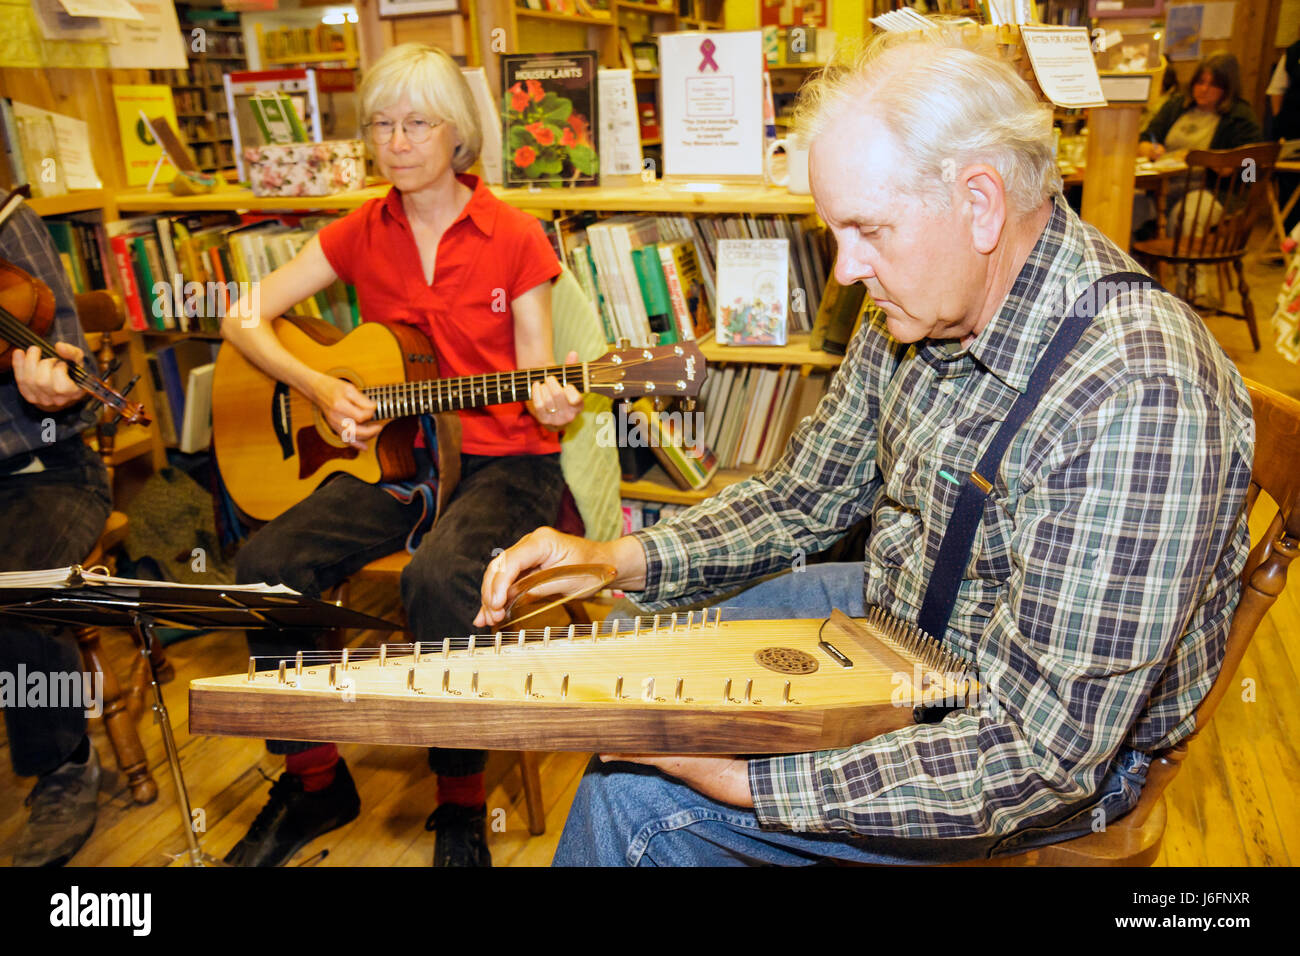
x=660 y=371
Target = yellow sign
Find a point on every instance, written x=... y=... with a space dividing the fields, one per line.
x=140 y=150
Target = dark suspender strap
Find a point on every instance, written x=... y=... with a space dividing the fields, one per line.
x=958 y=538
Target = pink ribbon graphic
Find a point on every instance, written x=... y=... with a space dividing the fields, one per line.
x=707 y=48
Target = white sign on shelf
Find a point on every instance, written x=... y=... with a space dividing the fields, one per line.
x=154 y=38
x=489 y=118
x=712 y=89
x=620 y=134
x=1063 y=63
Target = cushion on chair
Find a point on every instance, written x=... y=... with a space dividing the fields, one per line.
x=590 y=471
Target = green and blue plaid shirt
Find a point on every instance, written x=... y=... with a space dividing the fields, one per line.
x=1102 y=582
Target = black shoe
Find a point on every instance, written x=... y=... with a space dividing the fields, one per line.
x=462 y=836
x=292 y=818
x=64 y=804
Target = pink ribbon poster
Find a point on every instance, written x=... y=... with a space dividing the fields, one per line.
x=712 y=89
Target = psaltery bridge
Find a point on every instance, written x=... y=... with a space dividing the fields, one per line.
x=680 y=683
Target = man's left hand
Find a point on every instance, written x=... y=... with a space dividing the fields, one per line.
x=553 y=404
x=725 y=779
x=44 y=381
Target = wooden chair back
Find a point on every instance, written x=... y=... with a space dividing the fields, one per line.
x=1134 y=840
x=1237 y=180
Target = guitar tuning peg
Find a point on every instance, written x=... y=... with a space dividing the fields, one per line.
x=688 y=404
x=659 y=404
x=623 y=343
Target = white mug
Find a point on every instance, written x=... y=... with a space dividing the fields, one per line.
x=796 y=165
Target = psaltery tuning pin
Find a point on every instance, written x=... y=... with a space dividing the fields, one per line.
x=618 y=688
x=546 y=637
x=672 y=628
x=648 y=689
x=446 y=648
x=573 y=630
x=343 y=660
x=564 y=687
x=446 y=680
x=677 y=693
x=252 y=668
x=410 y=679
x=416 y=651
x=726 y=692
x=383 y=655
x=473 y=684
x=280 y=674
x=749 y=689
x=520 y=642
x=297 y=665
x=333 y=678
x=785 y=694
x=528 y=685
x=498 y=643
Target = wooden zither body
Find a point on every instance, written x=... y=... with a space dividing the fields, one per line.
x=674 y=684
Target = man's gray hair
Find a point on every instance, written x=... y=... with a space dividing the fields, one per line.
x=948 y=102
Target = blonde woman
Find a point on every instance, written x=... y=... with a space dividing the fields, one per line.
x=441 y=253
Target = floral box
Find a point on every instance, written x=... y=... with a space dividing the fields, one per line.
x=307 y=169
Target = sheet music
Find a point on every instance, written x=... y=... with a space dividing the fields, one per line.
x=64 y=577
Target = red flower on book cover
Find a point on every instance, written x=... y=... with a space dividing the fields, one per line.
x=525 y=156
x=535 y=91
x=519 y=100
x=542 y=133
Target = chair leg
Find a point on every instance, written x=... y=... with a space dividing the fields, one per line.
x=118 y=721
x=532 y=780
x=1247 y=307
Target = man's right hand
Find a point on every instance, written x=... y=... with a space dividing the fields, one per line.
x=348 y=412
x=548 y=548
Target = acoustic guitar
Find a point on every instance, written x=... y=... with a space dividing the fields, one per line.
x=275 y=447
x=680 y=683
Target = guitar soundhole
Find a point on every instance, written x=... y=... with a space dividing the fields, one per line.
x=786 y=660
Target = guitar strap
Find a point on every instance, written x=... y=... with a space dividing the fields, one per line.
x=959 y=536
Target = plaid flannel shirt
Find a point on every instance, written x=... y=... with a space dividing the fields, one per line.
x=26 y=243
x=1100 y=588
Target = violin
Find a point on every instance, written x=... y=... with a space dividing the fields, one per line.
x=26 y=314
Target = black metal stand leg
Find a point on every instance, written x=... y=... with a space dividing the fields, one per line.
x=193 y=852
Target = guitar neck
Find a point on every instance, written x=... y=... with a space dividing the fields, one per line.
x=468 y=391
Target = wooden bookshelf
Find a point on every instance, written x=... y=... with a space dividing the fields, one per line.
x=655 y=485
x=795 y=352
x=80 y=200
x=642 y=197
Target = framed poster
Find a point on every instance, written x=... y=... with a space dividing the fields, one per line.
x=549 y=119
x=712 y=109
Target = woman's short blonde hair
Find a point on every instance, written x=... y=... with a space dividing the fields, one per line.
x=948 y=101
x=432 y=83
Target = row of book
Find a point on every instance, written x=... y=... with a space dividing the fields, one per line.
x=181 y=376
x=749 y=411
x=654 y=279
x=31 y=150
x=83 y=250
x=185 y=272
x=643 y=514
x=585 y=8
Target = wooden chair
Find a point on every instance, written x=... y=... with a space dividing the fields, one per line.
x=101 y=312
x=1238 y=180
x=1134 y=839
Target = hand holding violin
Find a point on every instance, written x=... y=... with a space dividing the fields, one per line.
x=45 y=381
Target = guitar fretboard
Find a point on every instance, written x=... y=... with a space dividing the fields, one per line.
x=466 y=391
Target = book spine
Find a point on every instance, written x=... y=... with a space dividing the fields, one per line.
x=126 y=276
x=676 y=297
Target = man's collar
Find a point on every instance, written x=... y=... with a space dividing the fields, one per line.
x=1008 y=346
x=480 y=209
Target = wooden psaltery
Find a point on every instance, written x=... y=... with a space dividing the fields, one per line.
x=674 y=684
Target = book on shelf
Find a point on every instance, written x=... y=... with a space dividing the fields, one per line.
x=196 y=428
x=682 y=453
x=750 y=411
x=753 y=290
x=647 y=113
x=840 y=308
x=277 y=119
x=549 y=119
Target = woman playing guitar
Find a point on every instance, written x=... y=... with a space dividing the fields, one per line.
x=439 y=252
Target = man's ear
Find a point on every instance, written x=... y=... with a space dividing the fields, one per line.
x=981 y=187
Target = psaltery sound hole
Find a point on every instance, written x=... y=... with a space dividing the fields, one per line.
x=786 y=660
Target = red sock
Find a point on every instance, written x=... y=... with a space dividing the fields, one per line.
x=464 y=791
x=314 y=766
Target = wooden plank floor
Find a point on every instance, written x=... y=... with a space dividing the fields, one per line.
x=1235 y=802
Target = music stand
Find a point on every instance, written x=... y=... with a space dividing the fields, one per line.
x=142 y=607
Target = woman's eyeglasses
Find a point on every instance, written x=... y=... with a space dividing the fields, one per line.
x=416 y=129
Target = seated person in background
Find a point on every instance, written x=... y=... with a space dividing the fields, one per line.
x=54 y=500
x=1212 y=116
x=441 y=253
x=1097 y=598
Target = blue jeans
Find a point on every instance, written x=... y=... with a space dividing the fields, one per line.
x=632 y=815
